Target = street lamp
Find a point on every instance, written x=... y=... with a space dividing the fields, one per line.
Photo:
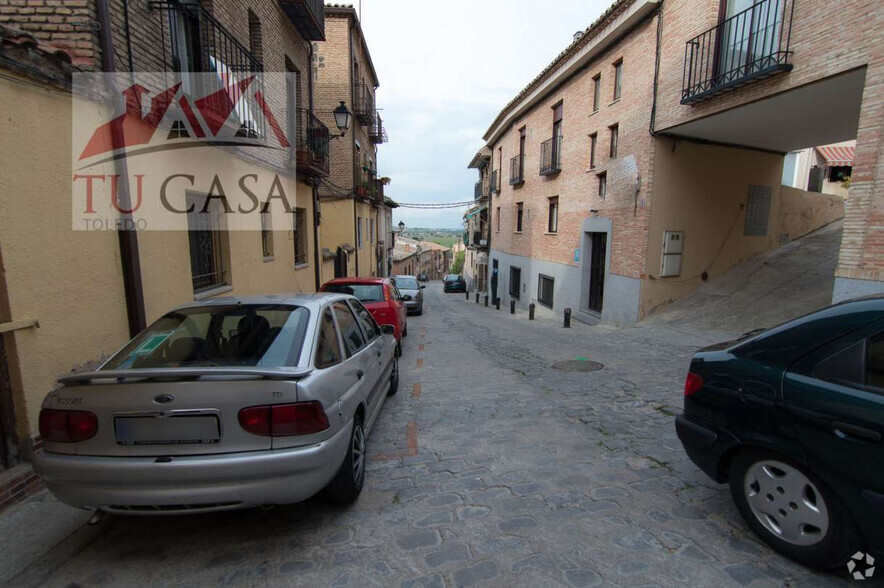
x=342 y=119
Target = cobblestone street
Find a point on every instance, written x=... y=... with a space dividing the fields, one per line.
x=490 y=467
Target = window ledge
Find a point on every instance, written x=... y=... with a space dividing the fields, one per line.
x=615 y=102
x=551 y=233
x=203 y=294
x=517 y=232
x=301 y=265
x=269 y=258
x=594 y=112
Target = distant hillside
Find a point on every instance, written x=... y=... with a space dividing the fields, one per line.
x=444 y=237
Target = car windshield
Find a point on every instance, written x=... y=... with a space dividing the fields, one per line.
x=407 y=283
x=364 y=292
x=262 y=335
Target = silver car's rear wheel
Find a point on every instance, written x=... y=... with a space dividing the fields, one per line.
x=786 y=502
x=357 y=447
x=347 y=483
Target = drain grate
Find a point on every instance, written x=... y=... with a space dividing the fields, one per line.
x=577 y=365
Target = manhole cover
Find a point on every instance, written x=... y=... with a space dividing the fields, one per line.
x=577 y=365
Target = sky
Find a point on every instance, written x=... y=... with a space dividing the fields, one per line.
x=446 y=70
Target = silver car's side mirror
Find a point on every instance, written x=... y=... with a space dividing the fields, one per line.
x=388 y=329
x=423 y=287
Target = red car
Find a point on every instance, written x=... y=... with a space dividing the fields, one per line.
x=380 y=297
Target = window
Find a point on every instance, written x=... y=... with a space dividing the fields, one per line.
x=209 y=248
x=299 y=227
x=545 y=285
x=364 y=292
x=553 y=225
x=618 y=79
x=515 y=281
x=328 y=348
x=371 y=231
x=359 y=232
x=266 y=235
x=603 y=184
x=596 y=92
x=519 y=210
x=350 y=332
x=497 y=219
x=266 y=335
x=593 y=141
x=372 y=331
x=256 y=41
x=615 y=139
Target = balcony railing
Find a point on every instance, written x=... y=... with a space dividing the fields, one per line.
x=495 y=185
x=363 y=105
x=551 y=156
x=311 y=145
x=377 y=133
x=308 y=16
x=751 y=45
x=517 y=172
x=483 y=188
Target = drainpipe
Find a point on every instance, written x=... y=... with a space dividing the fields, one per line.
x=129 y=256
x=353 y=138
x=317 y=254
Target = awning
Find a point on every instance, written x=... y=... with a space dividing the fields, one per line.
x=472 y=213
x=837 y=156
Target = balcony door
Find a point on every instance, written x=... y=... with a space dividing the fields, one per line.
x=557 y=134
x=750 y=33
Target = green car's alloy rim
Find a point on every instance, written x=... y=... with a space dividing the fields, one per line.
x=786 y=502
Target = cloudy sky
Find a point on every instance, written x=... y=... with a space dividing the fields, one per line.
x=446 y=70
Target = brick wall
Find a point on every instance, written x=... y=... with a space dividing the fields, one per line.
x=627 y=202
x=66 y=24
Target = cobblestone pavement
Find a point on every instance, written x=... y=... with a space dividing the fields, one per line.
x=489 y=467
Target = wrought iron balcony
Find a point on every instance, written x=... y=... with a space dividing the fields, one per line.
x=751 y=45
x=483 y=188
x=495 y=185
x=311 y=145
x=551 y=156
x=363 y=105
x=308 y=16
x=377 y=133
x=517 y=175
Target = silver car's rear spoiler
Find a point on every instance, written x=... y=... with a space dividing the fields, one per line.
x=187 y=373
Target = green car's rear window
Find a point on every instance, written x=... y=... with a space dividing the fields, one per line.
x=265 y=335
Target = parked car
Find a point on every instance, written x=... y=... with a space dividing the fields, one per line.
x=412 y=293
x=423 y=277
x=454 y=283
x=224 y=404
x=380 y=296
x=793 y=419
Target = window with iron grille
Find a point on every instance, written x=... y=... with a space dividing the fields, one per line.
x=593 y=141
x=266 y=235
x=209 y=246
x=299 y=217
x=553 y=225
x=515 y=281
x=359 y=232
x=519 y=211
x=618 y=79
x=497 y=219
x=615 y=139
x=603 y=184
x=545 y=287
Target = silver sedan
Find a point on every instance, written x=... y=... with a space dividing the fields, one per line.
x=412 y=293
x=223 y=404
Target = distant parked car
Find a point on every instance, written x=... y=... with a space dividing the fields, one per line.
x=224 y=404
x=381 y=298
x=412 y=293
x=793 y=419
x=454 y=283
x=422 y=277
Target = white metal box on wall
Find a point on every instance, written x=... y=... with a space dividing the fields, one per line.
x=673 y=245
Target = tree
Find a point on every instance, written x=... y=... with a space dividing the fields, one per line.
x=457 y=264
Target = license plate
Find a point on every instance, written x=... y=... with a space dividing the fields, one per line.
x=167 y=430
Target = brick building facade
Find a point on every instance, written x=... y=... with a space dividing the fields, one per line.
x=353 y=231
x=613 y=197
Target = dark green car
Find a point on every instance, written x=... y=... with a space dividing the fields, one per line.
x=793 y=419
